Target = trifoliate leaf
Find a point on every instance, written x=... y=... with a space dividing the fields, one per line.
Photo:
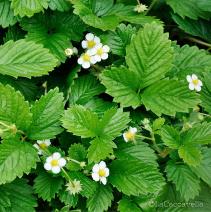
x=190 y=60
x=123 y=85
x=171 y=137
x=7 y=17
x=183 y=9
x=186 y=182
x=17 y=196
x=168 y=97
x=47 y=112
x=100 y=148
x=28 y=7
x=204 y=169
x=60 y=5
x=13 y=108
x=85 y=88
x=127 y=205
x=88 y=186
x=54 y=31
x=150 y=54
x=16 y=158
x=101 y=200
x=81 y=121
x=25 y=59
x=135 y=177
x=47 y=185
x=120 y=38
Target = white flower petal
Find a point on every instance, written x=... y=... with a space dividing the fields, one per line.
x=80 y=61
x=102 y=165
x=62 y=162
x=194 y=77
x=125 y=137
x=40 y=141
x=92 y=51
x=89 y=36
x=107 y=172
x=133 y=130
x=84 y=44
x=106 y=48
x=36 y=146
x=198 y=88
x=85 y=65
x=47 y=166
x=191 y=86
x=97 y=58
x=200 y=83
x=47 y=142
x=104 y=56
x=56 y=155
x=49 y=159
x=95 y=177
x=56 y=169
x=103 y=180
x=39 y=152
x=189 y=78
x=99 y=45
x=96 y=40
x=95 y=168
x=93 y=60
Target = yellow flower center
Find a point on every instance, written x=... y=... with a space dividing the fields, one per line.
x=54 y=163
x=100 y=51
x=130 y=136
x=195 y=81
x=86 y=57
x=102 y=173
x=91 y=44
x=43 y=146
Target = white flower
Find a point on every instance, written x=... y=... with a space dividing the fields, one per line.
x=90 y=42
x=86 y=60
x=54 y=163
x=74 y=187
x=140 y=8
x=71 y=51
x=100 y=52
x=130 y=134
x=194 y=82
x=42 y=145
x=100 y=172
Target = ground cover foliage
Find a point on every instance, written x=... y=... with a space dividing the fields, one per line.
x=105 y=105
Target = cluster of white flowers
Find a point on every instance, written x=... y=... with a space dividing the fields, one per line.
x=95 y=51
x=194 y=82
x=42 y=145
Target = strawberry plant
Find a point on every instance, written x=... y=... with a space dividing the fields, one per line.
x=105 y=105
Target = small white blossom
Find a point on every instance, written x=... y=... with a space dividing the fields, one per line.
x=194 y=82
x=54 y=163
x=41 y=145
x=71 y=51
x=130 y=134
x=86 y=59
x=100 y=172
x=140 y=8
x=74 y=187
x=100 y=52
x=90 y=42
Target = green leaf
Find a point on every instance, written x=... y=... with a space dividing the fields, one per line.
x=53 y=31
x=76 y=152
x=123 y=85
x=13 y=33
x=127 y=205
x=16 y=158
x=204 y=169
x=150 y=54
x=206 y=93
x=204 y=5
x=80 y=121
x=101 y=200
x=100 y=148
x=199 y=134
x=88 y=186
x=190 y=154
x=47 y=185
x=13 y=108
x=85 y=88
x=168 y=97
x=47 y=112
x=25 y=59
x=60 y=5
x=183 y=9
x=157 y=124
x=67 y=198
x=28 y=7
x=186 y=182
x=171 y=137
x=17 y=196
x=7 y=17
x=119 y=39
x=190 y=60
x=135 y=177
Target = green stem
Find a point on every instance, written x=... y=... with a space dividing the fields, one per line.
x=204 y=114
x=66 y=175
x=151 y=6
x=141 y=136
x=199 y=41
x=73 y=160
